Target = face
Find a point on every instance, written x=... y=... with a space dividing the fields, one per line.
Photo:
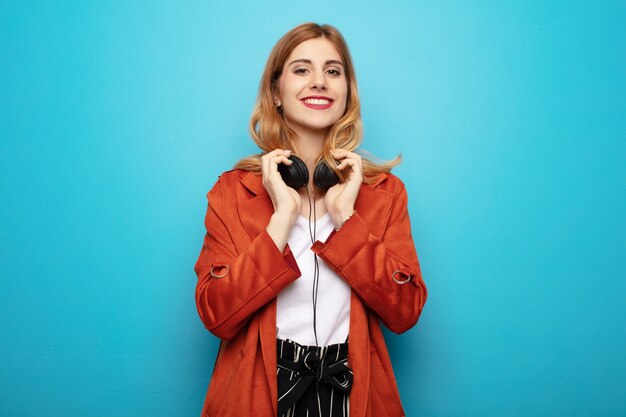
x=312 y=88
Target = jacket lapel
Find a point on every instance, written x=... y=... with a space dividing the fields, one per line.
x=256 y=211
x=373 y=205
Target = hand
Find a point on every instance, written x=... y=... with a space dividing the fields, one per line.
x=340 y=198
x=285 y=200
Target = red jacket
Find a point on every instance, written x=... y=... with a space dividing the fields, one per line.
x=373 y=246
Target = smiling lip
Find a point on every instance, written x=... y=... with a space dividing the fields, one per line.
x=317 y=102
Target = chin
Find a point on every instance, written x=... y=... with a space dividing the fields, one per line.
x=322 y=124
x=314 y=124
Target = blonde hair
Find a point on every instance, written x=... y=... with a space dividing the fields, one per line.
x=267 y=125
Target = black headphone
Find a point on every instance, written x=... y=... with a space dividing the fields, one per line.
x=296 y=175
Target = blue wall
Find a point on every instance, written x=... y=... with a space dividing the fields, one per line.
x=116 y=117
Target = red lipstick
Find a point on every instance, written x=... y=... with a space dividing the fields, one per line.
x=317 y=102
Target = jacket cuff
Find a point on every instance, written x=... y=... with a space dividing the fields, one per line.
x=290 y=259
x=342 y=246
x=281 y=269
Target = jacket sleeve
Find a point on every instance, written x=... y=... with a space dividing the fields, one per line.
x=232 y=286
x=370 y=263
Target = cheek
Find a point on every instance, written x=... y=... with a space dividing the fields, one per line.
x=290 y=85
x=283 y=87
x=343 y=92
x=344 y=99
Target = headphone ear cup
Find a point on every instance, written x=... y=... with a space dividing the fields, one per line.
x=324 y=177
x=295 y=175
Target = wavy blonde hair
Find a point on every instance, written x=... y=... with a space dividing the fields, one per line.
x=267 y=125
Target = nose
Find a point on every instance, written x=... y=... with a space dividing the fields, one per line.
x=318 y=82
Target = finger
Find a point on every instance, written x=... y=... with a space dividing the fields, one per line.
x=342 y=164
x=273 y=163
x=278 y=151
x=349 y=162
x=268 y=157
x=342 y=153
x=285 y=152
x=264 y=166
x=283 y=159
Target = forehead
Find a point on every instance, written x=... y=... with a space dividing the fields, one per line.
x=318 y=49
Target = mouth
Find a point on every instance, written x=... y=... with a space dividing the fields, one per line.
x=317 y=102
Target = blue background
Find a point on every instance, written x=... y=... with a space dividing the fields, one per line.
x=116 y=118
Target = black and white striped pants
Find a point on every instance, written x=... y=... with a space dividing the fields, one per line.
x=313 y=381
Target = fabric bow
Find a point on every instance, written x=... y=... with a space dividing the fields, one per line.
x=307 y=370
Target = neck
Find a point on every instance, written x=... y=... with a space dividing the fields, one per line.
x=309 y=147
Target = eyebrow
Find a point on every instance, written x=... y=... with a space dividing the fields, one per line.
x=308 y=61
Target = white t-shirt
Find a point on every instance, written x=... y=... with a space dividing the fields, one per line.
x=294 y=309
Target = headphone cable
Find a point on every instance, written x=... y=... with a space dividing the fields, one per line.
x=316 y=270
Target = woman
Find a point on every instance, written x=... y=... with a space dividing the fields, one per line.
x=301 y=335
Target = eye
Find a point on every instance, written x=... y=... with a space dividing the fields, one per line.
x=300 y=70
x=334 y=72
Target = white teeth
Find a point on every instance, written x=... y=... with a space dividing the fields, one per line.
x=317 y=101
